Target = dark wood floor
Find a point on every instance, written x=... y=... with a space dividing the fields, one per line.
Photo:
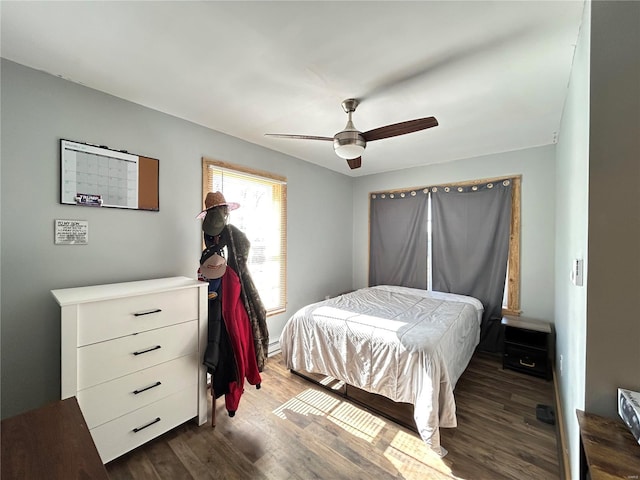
x=291 y=429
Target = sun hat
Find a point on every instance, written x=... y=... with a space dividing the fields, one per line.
x=212 y=265
x=216 y=199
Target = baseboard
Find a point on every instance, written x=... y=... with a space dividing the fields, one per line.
x=561 y=436
x=274 y=348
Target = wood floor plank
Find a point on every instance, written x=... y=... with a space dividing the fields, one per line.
x=305 y=450
x=165 y=462
x=291 y=429
x=220 y=455
x=118 y=470
x=138 y=464
x=357 y=452
x=192 y=462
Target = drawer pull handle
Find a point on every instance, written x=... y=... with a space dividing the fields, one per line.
x=530 y=365
x=147 y=350
x=148 y=312
x=137 y=429
x=157 y=384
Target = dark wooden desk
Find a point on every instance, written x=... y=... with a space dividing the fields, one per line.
x=607 y=449
x=51 y=442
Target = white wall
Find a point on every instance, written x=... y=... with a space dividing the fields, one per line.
x=572 y=212
x=536 y=165
x=37 y=111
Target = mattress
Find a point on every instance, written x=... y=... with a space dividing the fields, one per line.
x=407 y=344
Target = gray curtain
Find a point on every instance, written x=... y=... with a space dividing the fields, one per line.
x=470 y=250
x=398 y=239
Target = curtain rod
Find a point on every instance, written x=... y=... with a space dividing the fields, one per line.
x=450 y=184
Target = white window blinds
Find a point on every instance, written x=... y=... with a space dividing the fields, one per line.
x=262 y=218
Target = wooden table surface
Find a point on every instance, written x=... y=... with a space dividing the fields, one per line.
x=610 y=449
x=51 y=442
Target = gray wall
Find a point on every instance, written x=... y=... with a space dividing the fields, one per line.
x=613 y=291
x=37 y=110
x=536 y=165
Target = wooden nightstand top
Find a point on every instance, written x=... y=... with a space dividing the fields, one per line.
x=527 y=324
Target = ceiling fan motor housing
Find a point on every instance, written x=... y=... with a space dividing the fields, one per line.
x=349 y=144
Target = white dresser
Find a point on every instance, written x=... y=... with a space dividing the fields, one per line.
x=132 y=355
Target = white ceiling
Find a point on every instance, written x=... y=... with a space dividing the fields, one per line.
x=494 y=74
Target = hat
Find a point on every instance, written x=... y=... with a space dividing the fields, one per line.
x=212 y=265
x=216 y=199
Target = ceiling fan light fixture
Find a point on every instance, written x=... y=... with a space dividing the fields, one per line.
x=349 y=151
x=349 y=144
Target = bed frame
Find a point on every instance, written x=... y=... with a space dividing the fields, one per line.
x=398 y=412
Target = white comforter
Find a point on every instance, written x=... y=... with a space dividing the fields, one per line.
x=406 y=344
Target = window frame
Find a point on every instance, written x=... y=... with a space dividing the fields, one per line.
x=208 y=164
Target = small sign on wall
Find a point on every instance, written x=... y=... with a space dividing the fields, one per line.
x=71 y=232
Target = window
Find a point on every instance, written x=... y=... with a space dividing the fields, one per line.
x=262 y=217
x=511 y=299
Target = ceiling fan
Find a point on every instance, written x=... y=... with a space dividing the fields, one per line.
x=350 y=143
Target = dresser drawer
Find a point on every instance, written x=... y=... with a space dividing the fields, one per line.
x=108 y=319
x=132 y=430
x=105 y=361
x=110 y=400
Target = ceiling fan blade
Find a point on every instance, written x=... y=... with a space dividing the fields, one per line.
x=301 y=137
x=401 y=128
x=354 y=162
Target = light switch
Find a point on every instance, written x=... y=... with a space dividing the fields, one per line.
x=577 y=272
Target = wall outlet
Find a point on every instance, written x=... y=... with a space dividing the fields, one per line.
x=560 y=364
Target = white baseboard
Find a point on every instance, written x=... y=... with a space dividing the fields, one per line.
x=274 y=348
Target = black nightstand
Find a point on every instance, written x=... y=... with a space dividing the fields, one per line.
x=528 y=346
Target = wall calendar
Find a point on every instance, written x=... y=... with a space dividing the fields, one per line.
x=97 y=176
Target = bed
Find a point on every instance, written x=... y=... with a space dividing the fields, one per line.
x=406 y=344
